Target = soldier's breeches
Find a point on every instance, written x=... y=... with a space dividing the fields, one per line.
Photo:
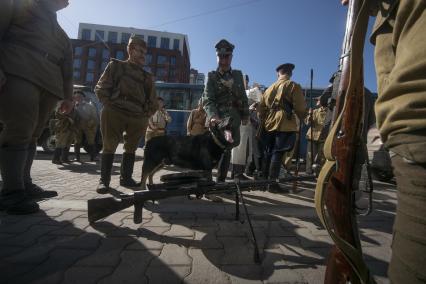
x=409 y=241
x=116 y=125
x=400 y=60
x=24 y=111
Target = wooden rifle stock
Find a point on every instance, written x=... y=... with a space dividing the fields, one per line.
x=334 y=193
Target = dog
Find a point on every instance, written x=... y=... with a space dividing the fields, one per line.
x=200 y=152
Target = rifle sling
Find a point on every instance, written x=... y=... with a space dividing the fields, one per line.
x=352 y=254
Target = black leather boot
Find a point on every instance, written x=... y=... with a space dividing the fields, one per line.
x=14 y=199
x=57 y=156
x=65 y=155
x=266 y=164
x=92 y=152
x=77 y=152
x=274 y=172
x=106 y=168
x=126 y=170
x=222 y=169
x=34 y=191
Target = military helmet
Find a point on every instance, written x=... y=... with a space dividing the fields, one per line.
x=224 y=47
x=137 y=40
x=286 y=67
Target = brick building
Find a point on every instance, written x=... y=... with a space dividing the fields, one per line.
x=167 y=57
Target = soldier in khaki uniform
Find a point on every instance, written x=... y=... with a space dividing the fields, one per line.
x=400 y=60
x=196 y=124
x=128 y=96
x=314 y=137
x=65 y=132
x=158 y=121
x=35 y=72
x=277 y=109
x=87 y=123
x=225 y=96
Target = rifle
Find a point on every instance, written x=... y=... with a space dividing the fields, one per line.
x=334 y=194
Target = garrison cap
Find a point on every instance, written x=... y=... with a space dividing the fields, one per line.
x=134 y=39
x=224 y=47
x=285 y=67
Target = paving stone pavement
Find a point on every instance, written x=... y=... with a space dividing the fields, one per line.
x=179 y=240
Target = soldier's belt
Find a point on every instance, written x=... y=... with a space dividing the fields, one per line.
x=53 y=59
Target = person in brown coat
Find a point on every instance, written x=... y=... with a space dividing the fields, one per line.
x=196 y=124
x=35 y=73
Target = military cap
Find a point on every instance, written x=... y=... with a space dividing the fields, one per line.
x=134 y=39
x=285 y=67
x=224 y=47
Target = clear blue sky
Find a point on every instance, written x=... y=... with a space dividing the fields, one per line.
x=266 y=33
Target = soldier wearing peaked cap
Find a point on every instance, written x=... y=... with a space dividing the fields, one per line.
x=224 y=96
x=128 y=94
x=278 y=108
x=35 y=72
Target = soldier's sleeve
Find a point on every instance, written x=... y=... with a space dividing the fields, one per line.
x=299 y=103
x=209 y=97
x=152 y=93
x=262 y=109
x=105 y=85
x=67 y=72
x=6 y=14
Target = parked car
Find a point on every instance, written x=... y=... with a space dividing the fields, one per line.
x=380 y=161
x=47 y=139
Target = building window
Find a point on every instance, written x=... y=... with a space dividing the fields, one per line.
x=119 y=54
x=99 y=35
x=176 y=44
x=161 y=59
x=91 y=65
x=147 y=69
x=165 y=43
x=172 y=60
x=112 y=37
x=86 y=34
x=125 y=37
x=90 y=77
x=92 y=52
x=172 y=74
x=103 y=66
x=161 y=72
x=76 y=75
x=78 y=51
x=141 y=36
x=152 y=41
x=148 y=58
x=105 y=54
x=77 y=63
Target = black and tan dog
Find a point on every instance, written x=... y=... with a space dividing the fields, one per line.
x=200 y=152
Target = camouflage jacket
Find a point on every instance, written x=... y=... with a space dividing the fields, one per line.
x=224 y=95
x=33 y=46
x=126 y=87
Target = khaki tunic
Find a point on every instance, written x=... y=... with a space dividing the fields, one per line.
x=129 y=98
x=318 y=119
x=196 y=124
x=34 y=47
x=271 y=108
x=157 y=124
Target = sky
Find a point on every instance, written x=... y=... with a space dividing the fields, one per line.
x=266 y=33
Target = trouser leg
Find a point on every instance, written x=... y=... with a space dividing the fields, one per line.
x=222 y=169
x=409 y=236
x=126 y=170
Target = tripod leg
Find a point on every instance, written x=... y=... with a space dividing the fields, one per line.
x=237 y=206
x=256 y=248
